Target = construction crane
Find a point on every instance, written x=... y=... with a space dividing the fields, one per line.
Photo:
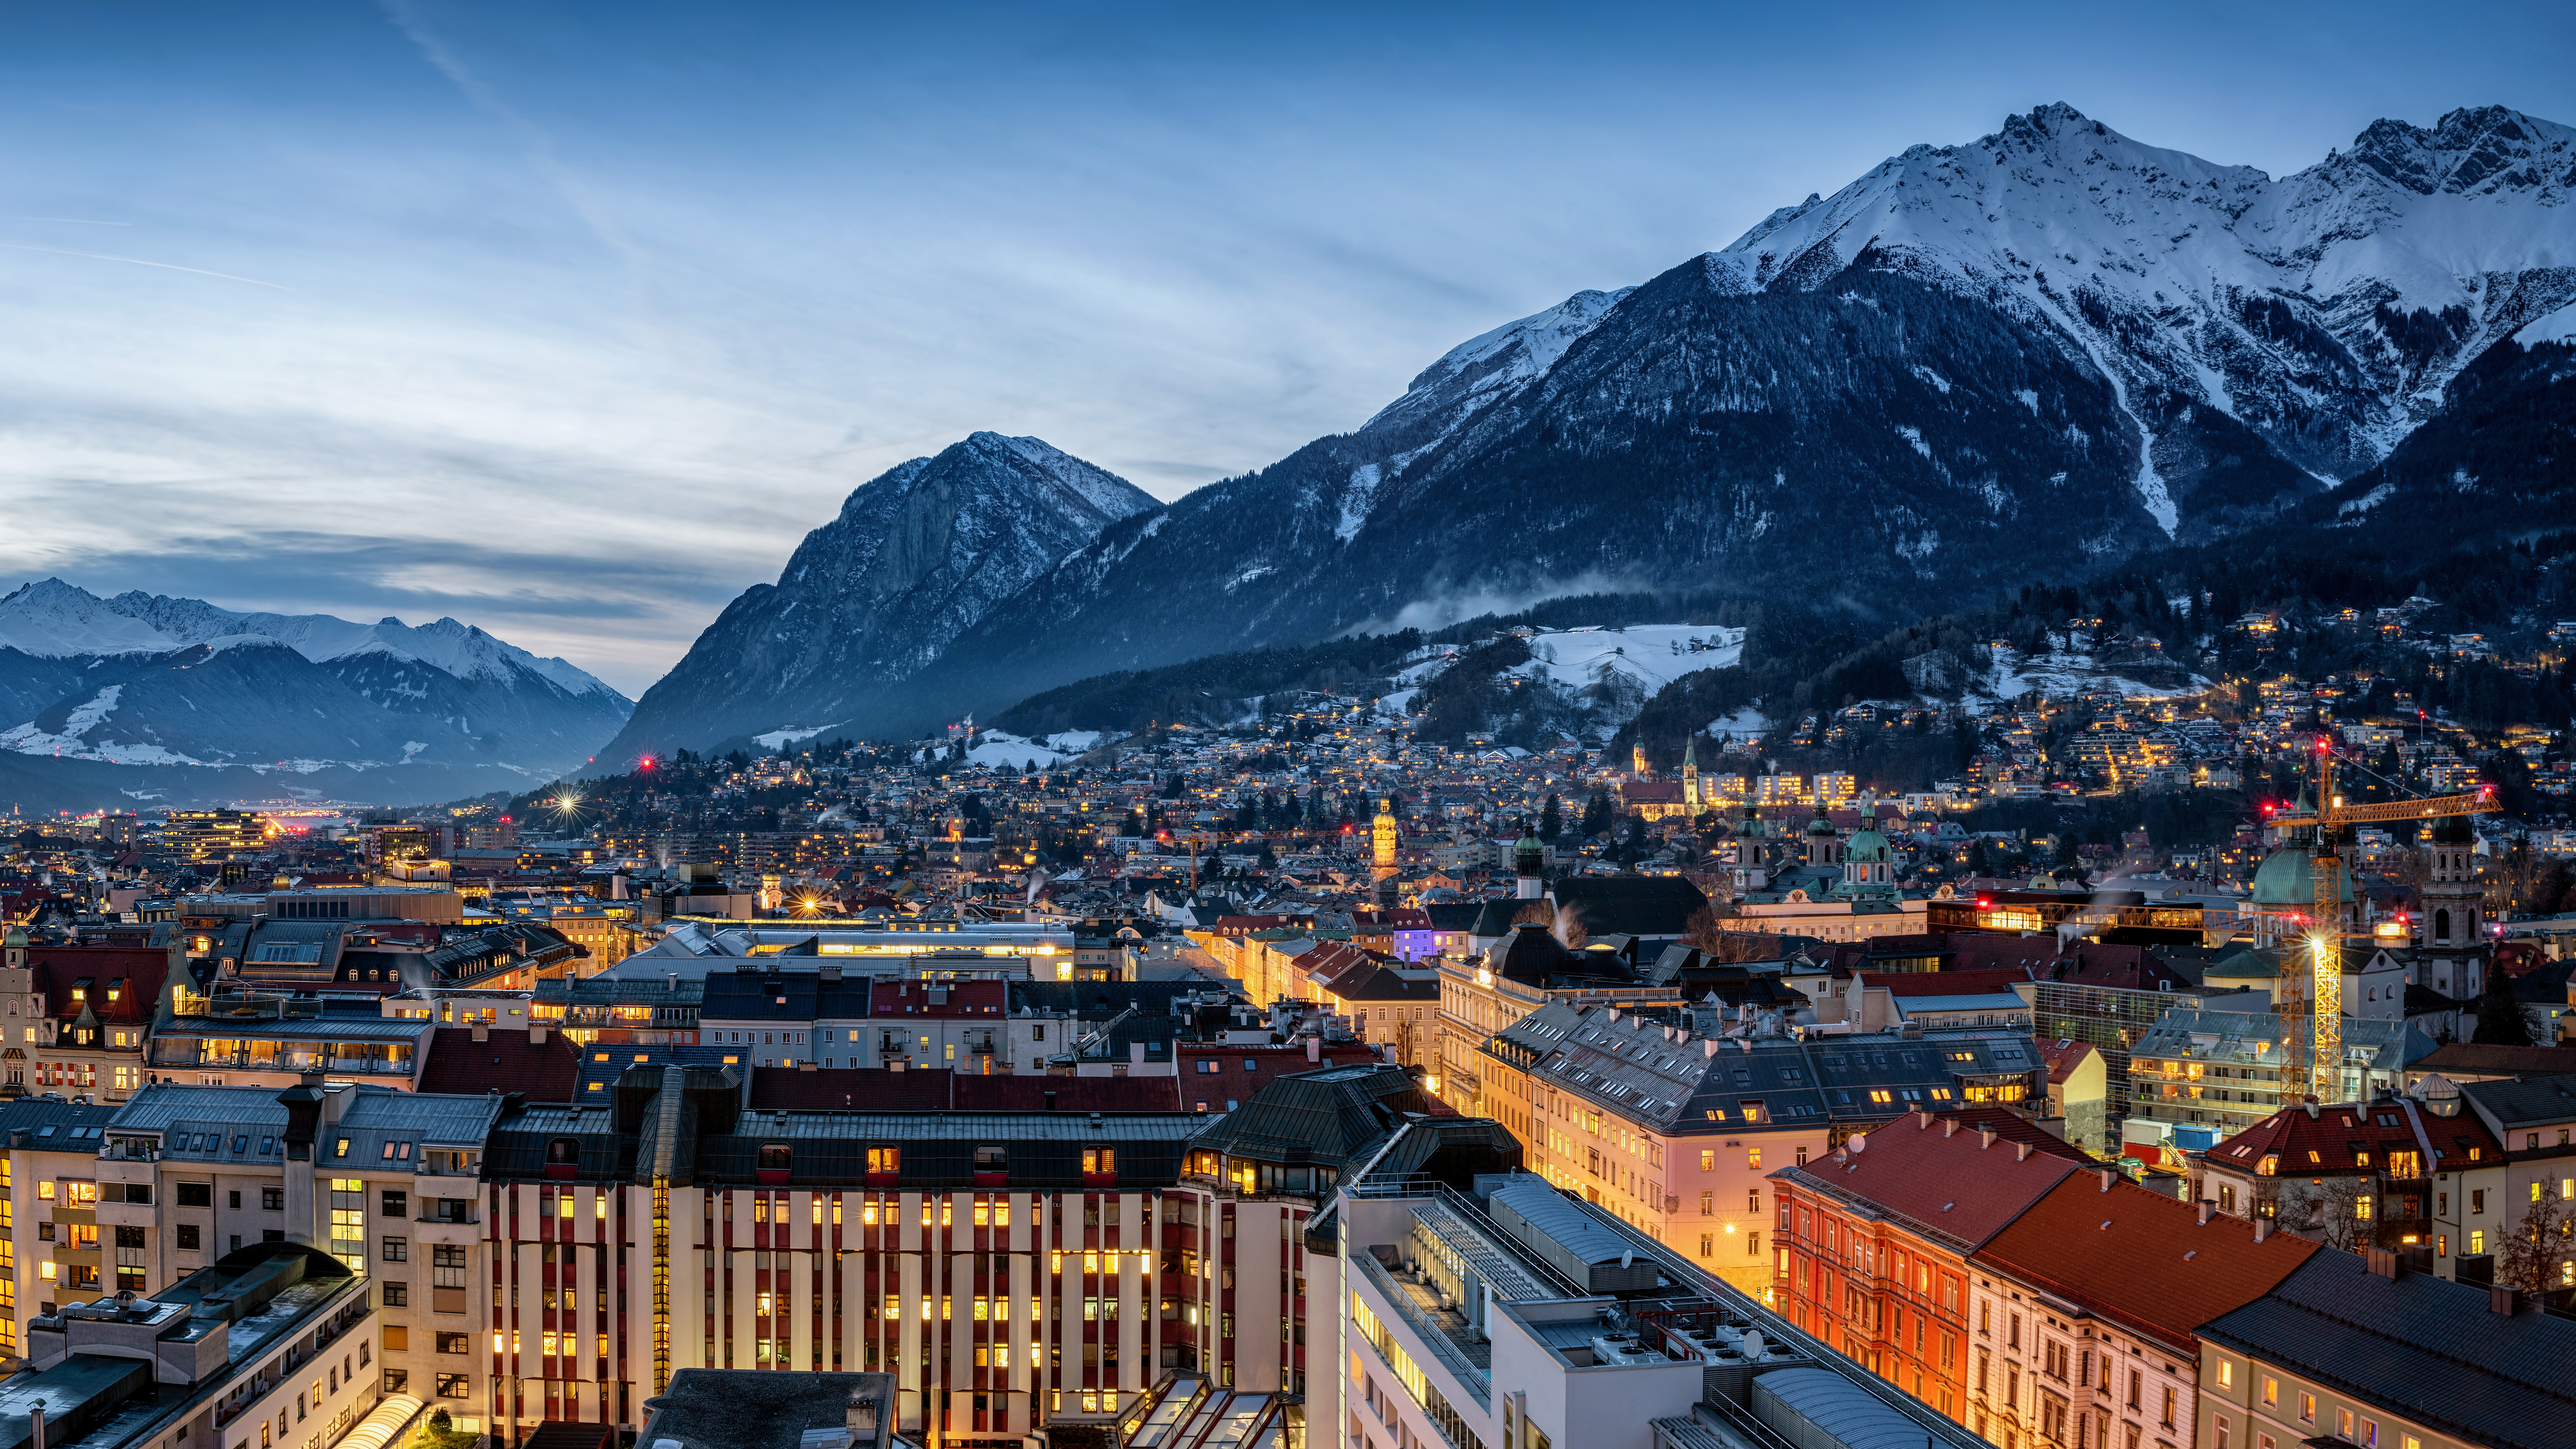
x=2320 y=1048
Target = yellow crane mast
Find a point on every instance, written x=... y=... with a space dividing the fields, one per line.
x=2320 y=1047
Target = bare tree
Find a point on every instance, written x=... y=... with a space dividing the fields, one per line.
x=2332 y=1208
x=2538 y=1245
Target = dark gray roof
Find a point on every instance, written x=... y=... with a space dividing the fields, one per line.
x=707 y=1408
x=1644 y=1068
x=2430 y=1350
x=2525 y=1103
x=53 y=1124
x=1328 y=1118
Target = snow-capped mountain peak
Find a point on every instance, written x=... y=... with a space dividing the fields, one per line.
x=2362 y=283
x=462 y=650
x=51 y=619
x=144 y=678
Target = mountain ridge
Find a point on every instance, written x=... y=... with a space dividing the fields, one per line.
x=146 y=679
x=2034 y=354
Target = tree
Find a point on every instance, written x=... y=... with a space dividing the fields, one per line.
x=1551 y=819
x=2539 y=1245
x=2501 y=1019
x=2337 y=1209
x=440 y=1432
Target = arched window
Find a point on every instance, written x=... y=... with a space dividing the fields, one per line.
x=2442 y=925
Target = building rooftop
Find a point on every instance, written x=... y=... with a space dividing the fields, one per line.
x=2432 y=1350
x=2140 y=1258
x=705 y=1408
x=1948 y=1180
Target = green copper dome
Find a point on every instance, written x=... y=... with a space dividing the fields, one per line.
x=2288 y=880
x=1867 y=847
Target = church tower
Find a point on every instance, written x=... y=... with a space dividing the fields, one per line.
x=1691 y=803
x=1382 y=836
x=1637 y=761
x=2451 y=939
x=1529 y=858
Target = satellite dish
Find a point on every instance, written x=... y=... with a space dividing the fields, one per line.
x=1858 y=1141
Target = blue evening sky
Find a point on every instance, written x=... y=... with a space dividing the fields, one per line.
x=568 y=319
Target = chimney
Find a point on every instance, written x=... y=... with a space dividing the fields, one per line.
x=482 y=1031
x=1950 y=1127
x=2262 y=1229
x=2108 y=1176
x=2206 y=1208
x=1135 y=1054
x=1314 y=1049
x=2504 y=1300
x=2382 y=1261
x=36 y=1427
x=1985 y=1138
x=2021 y=1153
x=671 y=981
x=536 y=1035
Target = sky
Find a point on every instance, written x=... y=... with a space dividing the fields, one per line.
x=569 y=319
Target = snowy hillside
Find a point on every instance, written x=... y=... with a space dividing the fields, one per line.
x=1583 y=683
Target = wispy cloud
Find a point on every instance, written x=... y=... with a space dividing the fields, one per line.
x=140 y=262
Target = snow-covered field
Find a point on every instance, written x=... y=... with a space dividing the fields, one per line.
x=2066 y=670
x=994 y=748
x=1653 y=655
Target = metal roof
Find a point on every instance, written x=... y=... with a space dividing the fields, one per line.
x=342 y=1028
x=1838 y=1409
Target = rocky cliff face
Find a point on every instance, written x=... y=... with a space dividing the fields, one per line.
x=916 y=557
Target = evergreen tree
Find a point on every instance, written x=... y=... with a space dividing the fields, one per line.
x=1551 y=819
x=2501 y=1019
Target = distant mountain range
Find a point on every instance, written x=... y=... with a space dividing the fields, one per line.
x=2033 y=355
x=148 y=681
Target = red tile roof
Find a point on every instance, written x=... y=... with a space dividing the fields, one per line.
x=2011 y=1126
x=2140 y=1258
x=1954 y=1180
x=507 y=1062
x=912 y=998
x=1070 y=1094
x=57 y=969
x=2331 y=1141
x=2064 y=1057
x=1230 y=1082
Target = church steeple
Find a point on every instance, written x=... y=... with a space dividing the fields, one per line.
x=1690 y=775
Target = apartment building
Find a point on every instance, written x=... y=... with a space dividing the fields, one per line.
x=2085 y=1311
x=1874 y=1241
x=73 y=1018
x=1676 y=1127
x=2393 y=1171
x=49 y=1248
x=385 y=1181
